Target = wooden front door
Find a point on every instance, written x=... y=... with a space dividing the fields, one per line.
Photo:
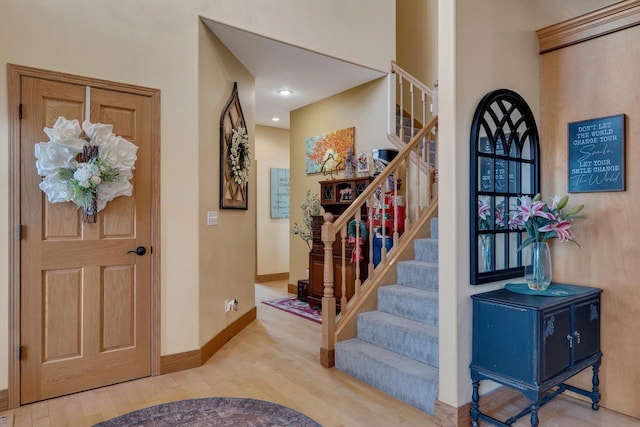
x=85 y=317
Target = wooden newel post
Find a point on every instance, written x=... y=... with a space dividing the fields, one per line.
x=327 y=351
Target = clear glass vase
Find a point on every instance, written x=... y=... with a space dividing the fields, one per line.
x=484 y=253
x=537 y=268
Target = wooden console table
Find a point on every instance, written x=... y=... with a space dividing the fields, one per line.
x=316 y=267
x=534 y=344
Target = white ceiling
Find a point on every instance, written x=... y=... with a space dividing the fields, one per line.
x=312 y=77
x=276 y=65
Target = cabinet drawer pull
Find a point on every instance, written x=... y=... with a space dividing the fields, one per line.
x=570 y=339
x=577 y=335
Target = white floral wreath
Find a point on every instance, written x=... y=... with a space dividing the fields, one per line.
x=99 y=179
x=240 y=156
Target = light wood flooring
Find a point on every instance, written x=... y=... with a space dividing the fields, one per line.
x=276 y=359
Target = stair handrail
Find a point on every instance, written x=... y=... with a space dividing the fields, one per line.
x=395 y=68
x=417 y=115
x=418 y=202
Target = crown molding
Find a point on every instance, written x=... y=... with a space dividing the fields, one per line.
x=598 y=23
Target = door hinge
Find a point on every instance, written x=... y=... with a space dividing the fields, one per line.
x=19 y=232
x=20 y=348
x=20 y=111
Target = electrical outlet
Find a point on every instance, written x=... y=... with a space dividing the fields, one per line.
x=229 y=305
x=235 y=305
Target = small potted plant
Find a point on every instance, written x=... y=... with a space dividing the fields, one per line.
x=310 y=208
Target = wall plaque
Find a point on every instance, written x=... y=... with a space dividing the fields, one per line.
x=596 y=155
x=279 y=193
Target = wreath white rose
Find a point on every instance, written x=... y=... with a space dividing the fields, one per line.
x=240 y=156
x=69 y=180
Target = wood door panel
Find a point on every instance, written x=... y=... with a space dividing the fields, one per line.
x=62 y=306
x=55 y=107
x=124 y=117
x=118 y=307
x=61 y=221
x=120 y=109
x=118 y=219
x=69 y=253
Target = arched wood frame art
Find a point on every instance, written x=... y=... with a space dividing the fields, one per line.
x=232 y=195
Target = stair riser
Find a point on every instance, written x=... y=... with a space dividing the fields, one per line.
x=410 y=343
x=418 y=275
x=419 y=389
x=412 y=307
x=434 y=228
x=426 y=250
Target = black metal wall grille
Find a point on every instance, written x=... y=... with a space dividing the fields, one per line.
x=504 y=164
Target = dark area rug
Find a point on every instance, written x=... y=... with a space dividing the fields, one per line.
x=297 y=307
x=214 y=411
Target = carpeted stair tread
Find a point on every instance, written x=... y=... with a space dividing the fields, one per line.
x=426 y=250
x=418 y=274
x=408 y=302
x=404 y=331
x=404 y=378
x=409 y=338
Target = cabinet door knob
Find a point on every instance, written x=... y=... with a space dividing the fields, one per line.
x=570 y=339
x=577 y=335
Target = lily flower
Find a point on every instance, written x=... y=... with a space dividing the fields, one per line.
x=483 y=210
x=529 y=208
x=543 y=221
x=561 y=228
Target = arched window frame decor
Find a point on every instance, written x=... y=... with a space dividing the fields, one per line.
x=504 y=164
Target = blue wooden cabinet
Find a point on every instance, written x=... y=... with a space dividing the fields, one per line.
x=533 y=344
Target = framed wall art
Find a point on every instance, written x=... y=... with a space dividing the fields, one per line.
x=596 y=155
x=362 y=164
x=235 y=155
x=279 y=193
x=328 y=152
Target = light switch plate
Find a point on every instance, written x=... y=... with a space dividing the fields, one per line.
x=212 y=218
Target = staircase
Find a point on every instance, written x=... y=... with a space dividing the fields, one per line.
x=396 y=347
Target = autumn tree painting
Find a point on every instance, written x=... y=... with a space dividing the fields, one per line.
x=326 y=153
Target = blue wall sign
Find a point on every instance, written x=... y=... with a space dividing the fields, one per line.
x=279 y=193
x=596 y=155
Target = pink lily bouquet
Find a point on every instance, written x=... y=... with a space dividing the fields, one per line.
x=543 y=221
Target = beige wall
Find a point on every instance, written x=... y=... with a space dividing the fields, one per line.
x=495 y=47
x=272 y=150
x=161 y=46
x=417 y=39
x=366 y=108
x=226 y=250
